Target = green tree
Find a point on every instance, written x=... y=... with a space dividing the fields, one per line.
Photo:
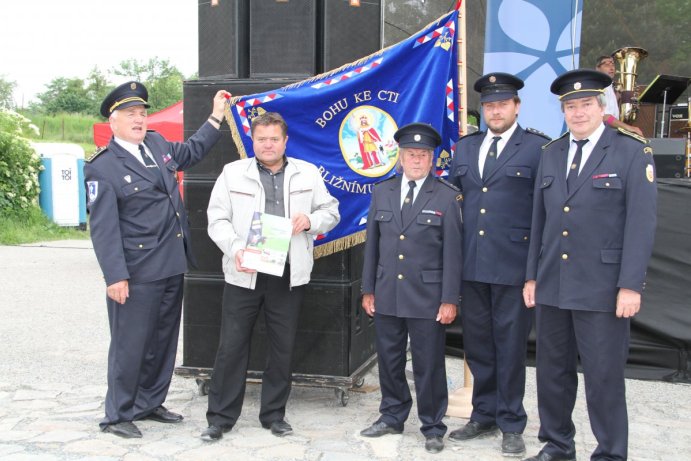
x=97 y=87
x=65 y=95
x=162 y=80
x=6 y=89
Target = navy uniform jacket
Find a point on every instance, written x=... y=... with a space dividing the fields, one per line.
x=497 y=209
x=587 y=244
x=138 y=222
x=414 y=267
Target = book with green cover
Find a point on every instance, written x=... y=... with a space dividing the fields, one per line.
x=268 y=241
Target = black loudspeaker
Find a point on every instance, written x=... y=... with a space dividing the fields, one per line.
x=669 y=156
x=350 y=33
x=335 y=337
x=283 y=38
x=197 y=96
x=223 y=39
x=678 y=119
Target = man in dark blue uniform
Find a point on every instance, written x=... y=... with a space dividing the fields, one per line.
x=496 y=172
x=140 y=234
x=591 y=238
x=413 y=269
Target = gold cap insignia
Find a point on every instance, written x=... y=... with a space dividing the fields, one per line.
x=649 y=173
x=577 y=86
x=648 y=150
x=417 y=137
x=133 y=86
x=492 y=79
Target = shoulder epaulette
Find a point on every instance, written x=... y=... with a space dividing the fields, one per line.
x=475 y=133
x=447 y=183
x=385 y=180
x=538 y=132
x=632 y=135
x=98 y=152
x=555 y=139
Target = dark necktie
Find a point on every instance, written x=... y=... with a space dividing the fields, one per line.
x=148 y=161
x=491 y=158
x=407 y=208
x=575 y=165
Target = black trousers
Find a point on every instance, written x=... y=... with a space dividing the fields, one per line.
x=427 y=342
x=143 y=344
x=281 y=306
x=602 y=342
x=496 y=325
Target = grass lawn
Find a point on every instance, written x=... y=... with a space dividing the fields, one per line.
x=35 y=227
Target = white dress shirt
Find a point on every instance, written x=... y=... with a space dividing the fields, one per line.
x=487 y=142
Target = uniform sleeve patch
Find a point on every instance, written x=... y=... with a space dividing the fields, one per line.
x=649 y=173
x=92 y=188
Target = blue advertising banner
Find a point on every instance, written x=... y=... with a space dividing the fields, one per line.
x=343 y=121
x=536 y=40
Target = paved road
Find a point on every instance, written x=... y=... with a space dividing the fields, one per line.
x=53 y=348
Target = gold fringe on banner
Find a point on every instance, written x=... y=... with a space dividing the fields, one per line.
x=339 y=245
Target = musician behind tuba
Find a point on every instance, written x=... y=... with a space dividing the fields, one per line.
x=605 y=64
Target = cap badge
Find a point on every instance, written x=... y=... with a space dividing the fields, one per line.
x=417 y=138
x=133 y=86
x=492 y=79
x=577 y=86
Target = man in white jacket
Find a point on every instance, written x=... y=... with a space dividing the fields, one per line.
x=275 y=184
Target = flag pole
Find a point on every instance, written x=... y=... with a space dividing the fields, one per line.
x=460 y=400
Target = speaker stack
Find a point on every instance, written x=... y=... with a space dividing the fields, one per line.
x=248 y=47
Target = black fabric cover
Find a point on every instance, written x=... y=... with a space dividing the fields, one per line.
x=661 y=332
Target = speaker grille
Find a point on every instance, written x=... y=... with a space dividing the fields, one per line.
x=282 y=38
x=350 y=33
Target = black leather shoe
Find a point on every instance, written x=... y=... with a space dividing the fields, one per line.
x=470 y=431
x=162 y=415
x=542 y=456
x=512 y=444
x=126 y=430
x=378 y=429
x=279 y=428
x=213 y=433
x=434 y=444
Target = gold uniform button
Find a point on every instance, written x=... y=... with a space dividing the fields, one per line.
x=141 y=246
x=179 y=235
x=481 y=232
x=177 y=214
x=484 y=189
x=525 y=237
x=518 y=173
x=401 y=257
x=402 y=237
x=400 y=276
x=565 y=233
x=606 y=184
x=564 y=256
x=136 y=188
x=482 y=211
x=566 y=209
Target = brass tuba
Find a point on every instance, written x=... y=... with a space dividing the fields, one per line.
x=628 y=58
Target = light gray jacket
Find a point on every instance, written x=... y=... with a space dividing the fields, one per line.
x=238 y=193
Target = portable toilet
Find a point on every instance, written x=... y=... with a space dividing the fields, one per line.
x=63 y=196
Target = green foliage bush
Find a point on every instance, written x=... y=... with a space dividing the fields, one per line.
x=19 y=165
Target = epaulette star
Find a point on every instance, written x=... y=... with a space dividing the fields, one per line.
x=556 y=139
x=538 y=132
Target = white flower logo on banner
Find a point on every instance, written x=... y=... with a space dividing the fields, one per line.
x=533 y=40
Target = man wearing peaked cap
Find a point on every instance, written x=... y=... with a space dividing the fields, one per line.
x=126 y=95
x=410 y=283
x=141 y=238
x=417 y=135
x=496 y=169
x=592 y=234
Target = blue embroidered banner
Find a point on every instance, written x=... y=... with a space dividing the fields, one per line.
x=343 y=121
x=536 y=40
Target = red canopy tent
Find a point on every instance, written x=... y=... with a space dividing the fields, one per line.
x=168 y=122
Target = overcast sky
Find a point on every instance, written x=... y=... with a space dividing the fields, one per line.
x=44 y=39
